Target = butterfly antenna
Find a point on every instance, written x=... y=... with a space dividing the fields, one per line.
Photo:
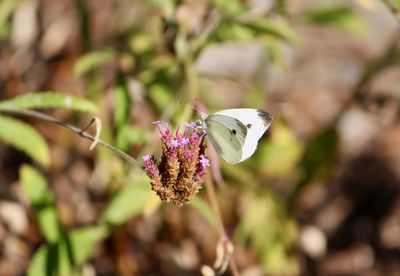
x=191 y=106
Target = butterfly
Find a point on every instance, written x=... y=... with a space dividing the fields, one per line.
x=234 y=133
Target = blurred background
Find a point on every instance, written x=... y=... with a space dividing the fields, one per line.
x=319 y=197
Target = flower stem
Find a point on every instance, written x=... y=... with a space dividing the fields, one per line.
x=80 y=132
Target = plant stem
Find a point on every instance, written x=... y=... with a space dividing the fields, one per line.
x=80 y=132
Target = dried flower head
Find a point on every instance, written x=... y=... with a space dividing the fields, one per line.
x=178 y=176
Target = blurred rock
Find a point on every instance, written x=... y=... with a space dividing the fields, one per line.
x=15 y=249
x=233 y=68
x=25 y=24
x=253 y=271
x=357 y=260
x=390 y=229
x=14 y=216
x=186 y=256
x=357 y=128
x=313 y=241
x=383 y=95
x=56 y=36
x=332 y=215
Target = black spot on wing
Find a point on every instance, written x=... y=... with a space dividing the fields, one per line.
x=265 y=116
x=242 y=126
x=234 y=131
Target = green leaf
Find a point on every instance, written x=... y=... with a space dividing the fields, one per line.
x=25 y=138
x=38 y=264
x=38 y=193
x=35 y=186
x=130 y=201
x=264 y=26
x=339 y=17
x=48 y=222
x=129 y=135
x=122 y=103
x=265 y=226
x=121 y=112
x=82 y=241
x=317 y=159
x=49 y=100
x=5 y=30
x=397 y=4
x=281 y=154
x=63 y=261
x=6 y=8
x=92 y=60
x=231 y=8
x=52 y=260
x=204 y=209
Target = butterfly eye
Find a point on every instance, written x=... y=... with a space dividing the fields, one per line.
x=248 y=125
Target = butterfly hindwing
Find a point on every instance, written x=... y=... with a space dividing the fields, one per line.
x=227 y=135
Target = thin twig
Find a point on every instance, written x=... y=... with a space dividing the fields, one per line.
x=80 y=132
x=212 y=195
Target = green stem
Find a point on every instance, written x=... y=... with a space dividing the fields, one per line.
x=80 y=132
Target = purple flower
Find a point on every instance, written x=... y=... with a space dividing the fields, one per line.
x=158 y=123
x=191 y=125
x=204 y=161
x=185 y=141
x=147 y=157
x=178 y=175
x=175 y=143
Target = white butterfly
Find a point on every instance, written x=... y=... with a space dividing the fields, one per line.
x=234 y=133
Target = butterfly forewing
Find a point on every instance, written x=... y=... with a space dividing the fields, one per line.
x=256 y=122
x=227 y=135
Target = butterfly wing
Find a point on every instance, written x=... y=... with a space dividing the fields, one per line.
x=227 y=135
x=256 y=122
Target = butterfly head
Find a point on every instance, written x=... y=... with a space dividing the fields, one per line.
x=202 y=121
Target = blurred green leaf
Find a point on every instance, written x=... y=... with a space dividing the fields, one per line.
x=230 y=31
x=25 y=138
x=63 y=259
x=130 y=201
x=182 y=47
x=168 y=7
x=264 y=26
x=339 y=17
x=265 y=225
x=48 y=222
x=397 y=3
x=122 y=103
x=129 y=135
x=276 y=260
x=230 y=8
x=259 y=29
x=49 y=100
x=38 y=193
x=317 y=159
x=52 y=260
x=142 y=43
x=5 y=29
x=205 y=210
x=160 y=94
x=92 y=60
x=121 y=112
x=82 y=241
x=280 y=155
x=39 y=264
x=6 y=9
x=35 y=186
